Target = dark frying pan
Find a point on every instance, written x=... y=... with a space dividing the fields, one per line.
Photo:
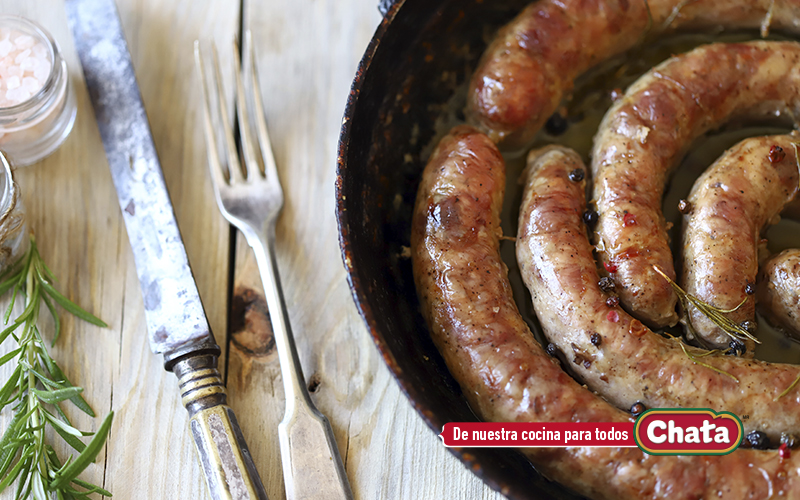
x=420 y=56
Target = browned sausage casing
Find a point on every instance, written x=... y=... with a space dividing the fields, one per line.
x=644 y=135
x=779 y=291
x=729 y=205
x=629 y=363
x=532 y=63
x=503 y=371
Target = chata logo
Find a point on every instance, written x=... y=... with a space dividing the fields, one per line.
x=697 y=431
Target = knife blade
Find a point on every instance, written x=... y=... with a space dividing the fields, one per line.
x=176 y=322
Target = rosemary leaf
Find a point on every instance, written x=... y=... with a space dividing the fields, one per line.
x=91 y=487
x=57 y=395
x=56 y=321
x=71 y=307
x=67 y=475
x=792 y=385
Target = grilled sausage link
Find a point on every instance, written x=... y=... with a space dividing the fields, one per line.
x=506 y=375
x=779 y=291
x=532 y=63
x=728 y=207
x=614 y=354
x=644 y=135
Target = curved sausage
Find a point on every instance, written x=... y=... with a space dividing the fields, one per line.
x=728 y=207
x=530 y=66
x=644 y=135
x=779 y=291
x=614 y=354
x=505 y=374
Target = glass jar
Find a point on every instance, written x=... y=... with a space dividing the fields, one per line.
x=37 y=102
x=14 y=239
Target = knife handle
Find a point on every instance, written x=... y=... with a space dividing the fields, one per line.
x=226 y=461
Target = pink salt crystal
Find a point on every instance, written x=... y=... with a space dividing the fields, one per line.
x=31 y=84
x=24 y=42
x=28 y=64
x=40 y=51
x=5 y=47
x=13 y=82
x=22 y=56
x=42 y=71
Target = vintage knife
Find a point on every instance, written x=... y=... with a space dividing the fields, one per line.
x=176 y=322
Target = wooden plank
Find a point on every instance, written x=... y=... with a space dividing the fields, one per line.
x=307 y=55
x=73 y=208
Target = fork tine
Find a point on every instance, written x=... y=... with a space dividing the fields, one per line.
x=250 y=163
x=234 y=168
x=270 y=169
x=214 y=165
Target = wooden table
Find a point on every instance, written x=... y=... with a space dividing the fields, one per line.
x=307 y=55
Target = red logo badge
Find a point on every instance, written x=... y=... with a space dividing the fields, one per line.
x=697 y=431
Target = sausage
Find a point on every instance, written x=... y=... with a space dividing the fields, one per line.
x=779 y=291
x=505 y=374
x=531 y=64
x=627 y=363
x=746 y=188
x=644 y=135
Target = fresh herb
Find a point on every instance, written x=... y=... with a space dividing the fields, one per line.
x=694 y=356
x=36 y=390
x=715 y=314
x=788 y=389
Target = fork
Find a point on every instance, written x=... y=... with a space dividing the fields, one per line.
x=251 y=199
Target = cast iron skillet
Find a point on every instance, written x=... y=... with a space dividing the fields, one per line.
x=421 y=53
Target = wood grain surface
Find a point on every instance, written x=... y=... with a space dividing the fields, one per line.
x=307 y=55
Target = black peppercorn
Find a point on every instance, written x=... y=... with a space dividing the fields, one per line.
x=638 y=408
x=606 y=284
x=590 y=217
x=750 y=326
x=596 y=339
x=684 y=207
x=749 y=289
x=758 y=440
x=557 y=124
x=736 y=348
x=612 y=301
x=577 y=175
x=551 y=349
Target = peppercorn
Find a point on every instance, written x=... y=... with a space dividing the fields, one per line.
x=736 y=348
x=596 y=339
x=607 y=284
x=577 y=175
x=557 y=124
x=638 y=408
x=590 y=217
x=789 y=440
x=750 y=326
x=758 y=440
x=684 y=207
x=612 y=301
x=749 y=289
x=552 y=350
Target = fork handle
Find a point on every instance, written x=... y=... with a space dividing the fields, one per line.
x=312 y=466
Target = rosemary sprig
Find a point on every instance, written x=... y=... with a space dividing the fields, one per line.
x=715 y=314
x=694 y=357
x=36 y=389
